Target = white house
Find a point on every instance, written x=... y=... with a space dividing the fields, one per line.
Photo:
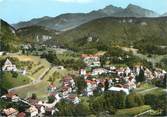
x=91 y=85
x=8 y=66
x=98 y=71
x=82 y=72
x=1 y=53
x=119 y=89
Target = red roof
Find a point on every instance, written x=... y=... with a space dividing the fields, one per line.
x=64 y=89
x=22 y=114
x=72 y=97
x=90 y=81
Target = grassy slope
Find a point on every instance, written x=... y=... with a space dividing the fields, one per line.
x=14 y=82
x=8 y=40
x=132 y=111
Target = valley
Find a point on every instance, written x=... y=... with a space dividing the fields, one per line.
x=107 y=62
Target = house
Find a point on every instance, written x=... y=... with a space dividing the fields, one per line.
x=33 y=101
x=91 y=86
x=68 y=81
x=119 y=89
x=65 y=91
x=21 y=114
x=91 y=60
x=120 y=71
x=23 y=71
x=99 y=71
x=32 y=111
x=127 y=71
x=12 y=96
x=82 y=72
x=49 y=112
x=73 y=99
x=131 y=83
x=10 y=112
x=8 y=66
x=1 y=53
x=51 y=87
x=60 y=67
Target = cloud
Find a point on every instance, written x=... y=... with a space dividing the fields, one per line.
x=75 y=1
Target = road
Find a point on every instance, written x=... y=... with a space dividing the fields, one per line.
x=148 y=90
x=36 y=81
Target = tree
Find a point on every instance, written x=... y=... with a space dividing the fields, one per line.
x=134 y=100
x=52 y=58
x=69 y=109
x=34 y=96
x=157 y=102
x=51 y=99
x=106 y=85
x=80 y=84
x=141 y=77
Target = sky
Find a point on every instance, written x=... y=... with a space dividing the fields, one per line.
x=14 y=11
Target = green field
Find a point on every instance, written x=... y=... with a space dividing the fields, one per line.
x=41 y=88
x=132 y=111
x=10 y=82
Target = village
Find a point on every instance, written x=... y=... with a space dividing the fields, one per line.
x=97 y=79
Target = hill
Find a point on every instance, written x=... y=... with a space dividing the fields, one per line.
x=9 y=41
x=115 y=31
x=165 y=14
x=71 y=20
x=36 y=34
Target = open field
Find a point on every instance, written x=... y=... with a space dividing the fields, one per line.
x=41 y=88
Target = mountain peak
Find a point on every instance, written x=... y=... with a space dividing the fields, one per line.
x=133 y=6
x=165 y=14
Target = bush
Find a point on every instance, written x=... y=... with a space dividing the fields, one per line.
x=68 y=109
x=134 y=100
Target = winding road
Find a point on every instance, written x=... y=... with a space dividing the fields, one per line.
x=36 y=81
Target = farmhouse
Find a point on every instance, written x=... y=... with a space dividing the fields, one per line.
x=8 y=66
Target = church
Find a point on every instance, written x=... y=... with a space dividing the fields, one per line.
x=8 y=66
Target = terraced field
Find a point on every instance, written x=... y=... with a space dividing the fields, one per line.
x=41 y=88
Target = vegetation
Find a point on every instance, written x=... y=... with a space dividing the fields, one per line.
x=33 y=34
x=118 y=56
x=163 y=63
x=157 y=102
x=8 y=39
x=132 y=111
x=80 y=84
x=107 y=32
x=134 y=100
x=68 y=109
x=11 y=79
x=75 y=64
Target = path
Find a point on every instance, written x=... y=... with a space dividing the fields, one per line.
x=36 y=81
x=148 y=90
x=143 y=113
